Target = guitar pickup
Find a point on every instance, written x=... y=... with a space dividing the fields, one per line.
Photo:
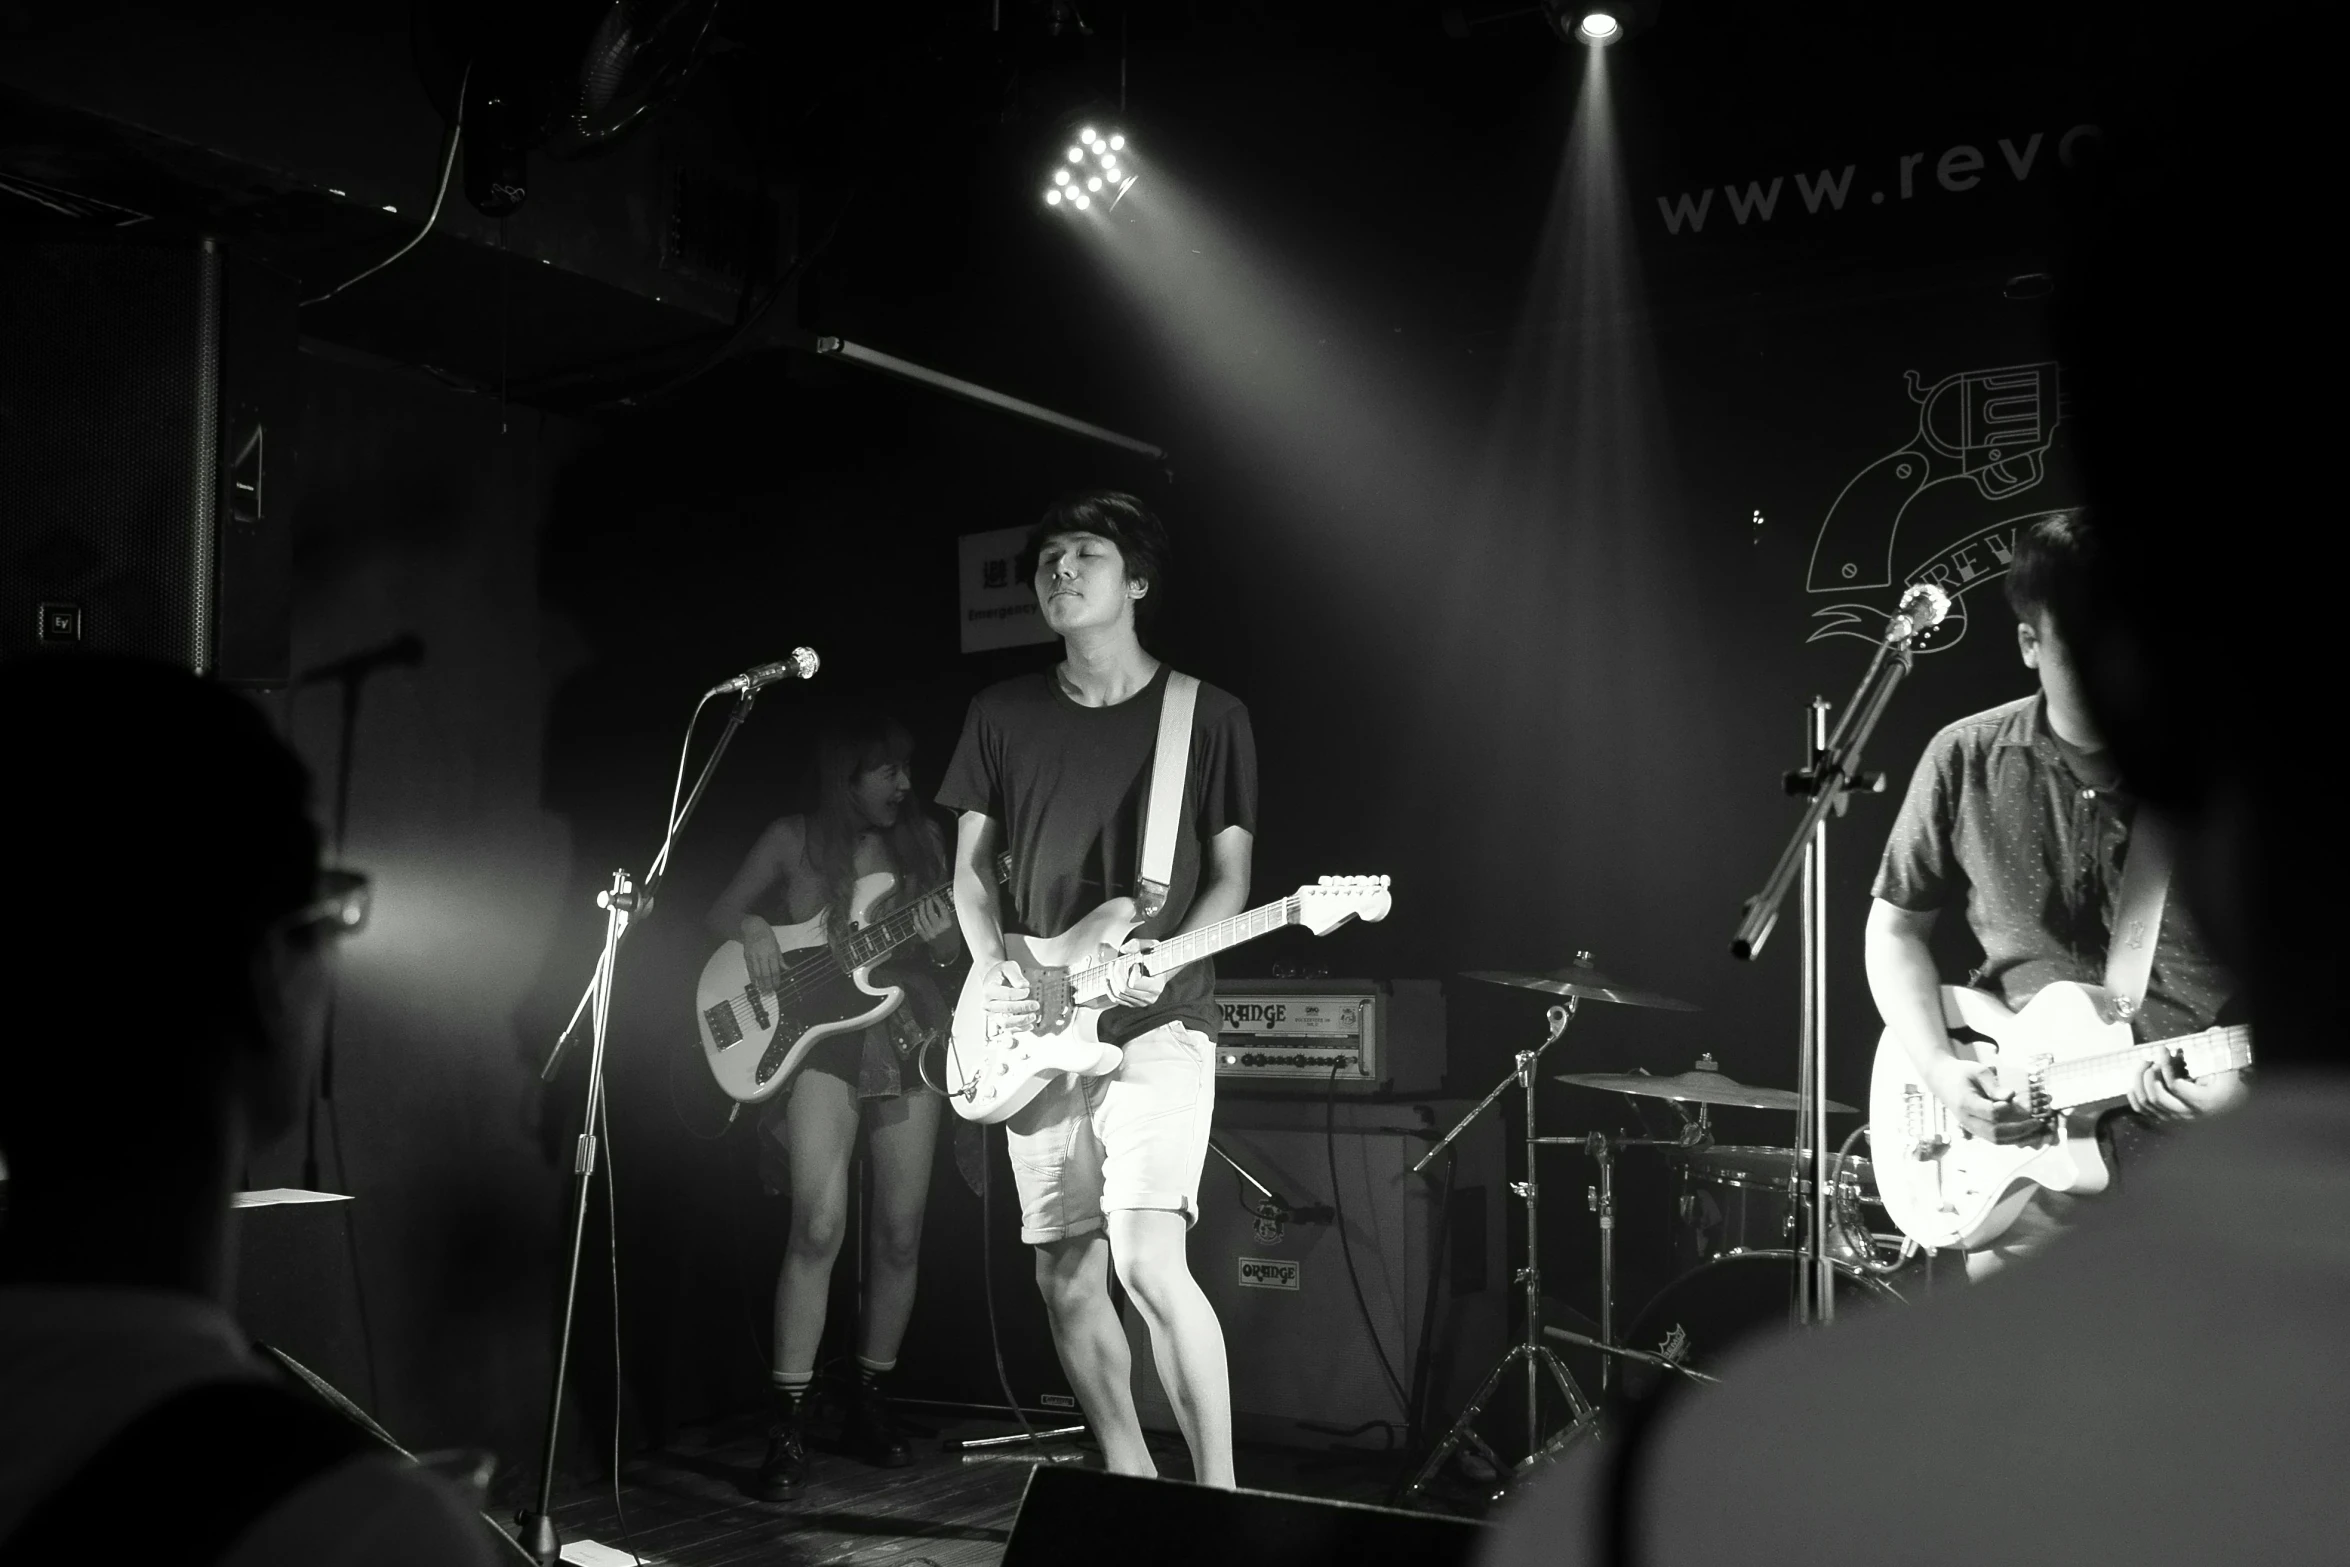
x=758 y=1007
x=724 y=1029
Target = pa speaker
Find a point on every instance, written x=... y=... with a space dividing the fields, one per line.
x=146 y=415
x=1080 y=1515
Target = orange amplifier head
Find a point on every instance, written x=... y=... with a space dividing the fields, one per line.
x=1360 y=1036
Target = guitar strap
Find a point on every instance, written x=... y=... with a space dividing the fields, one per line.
x=1162 y=812
x=2137 y=913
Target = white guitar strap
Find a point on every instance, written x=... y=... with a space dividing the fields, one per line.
x=1162 y=812
x=2137 y=914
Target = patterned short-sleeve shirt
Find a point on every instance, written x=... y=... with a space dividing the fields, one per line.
x=2029 y=837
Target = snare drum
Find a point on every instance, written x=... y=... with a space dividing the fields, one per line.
x=1737 y=1199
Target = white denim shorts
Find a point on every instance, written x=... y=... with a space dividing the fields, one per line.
x=1135 y=1139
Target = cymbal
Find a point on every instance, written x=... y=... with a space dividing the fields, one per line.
x=1704 y=1084
x=1583 y=981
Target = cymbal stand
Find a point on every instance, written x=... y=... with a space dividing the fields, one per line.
x=1537 y=1355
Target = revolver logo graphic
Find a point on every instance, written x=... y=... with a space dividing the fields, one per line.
x=1988 y=428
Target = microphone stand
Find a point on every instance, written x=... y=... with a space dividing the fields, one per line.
x=1833 y=774
x=622 y=903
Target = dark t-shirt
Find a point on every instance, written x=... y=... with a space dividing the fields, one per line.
x=2029 y=835
x=1067 y=782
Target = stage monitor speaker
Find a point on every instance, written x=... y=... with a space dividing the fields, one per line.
x=147 y=409
x=296 y=1285
x=1070 y=1514
x=1305 y=1366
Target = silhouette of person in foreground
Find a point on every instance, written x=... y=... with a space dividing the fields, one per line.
x=165 y=930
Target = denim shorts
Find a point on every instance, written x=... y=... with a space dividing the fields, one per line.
x=1134 y=1139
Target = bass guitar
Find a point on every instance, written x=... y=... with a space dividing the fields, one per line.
x=991 y=1072
x=2064 y=1061
x=756 y=1039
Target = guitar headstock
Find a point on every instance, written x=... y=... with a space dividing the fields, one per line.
x=1334 y=900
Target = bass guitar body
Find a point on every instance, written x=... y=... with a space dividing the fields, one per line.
x=756 y=1039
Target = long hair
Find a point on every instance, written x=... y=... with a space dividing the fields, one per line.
x=849 y=746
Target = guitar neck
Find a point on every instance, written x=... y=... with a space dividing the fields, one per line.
x=2090 y=1079
x=1208 y=940
x=866 y=947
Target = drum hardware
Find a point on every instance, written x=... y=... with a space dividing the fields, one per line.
x=1600 y=1198
x=1578 y=982
x=1637 y=1356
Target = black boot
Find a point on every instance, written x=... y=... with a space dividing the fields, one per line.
x=871 y=1432
x=784 y=1471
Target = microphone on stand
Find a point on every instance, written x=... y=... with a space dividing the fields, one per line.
x=802 y=665
x=1922 y=609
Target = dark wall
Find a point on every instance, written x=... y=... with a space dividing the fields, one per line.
x=420 y=514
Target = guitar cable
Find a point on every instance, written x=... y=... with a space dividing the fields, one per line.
x=1338 y=1205
x=995 y=1338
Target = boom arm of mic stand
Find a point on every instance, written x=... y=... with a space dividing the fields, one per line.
x=1560 y=1017
x=652 y=881
x=1832 y=772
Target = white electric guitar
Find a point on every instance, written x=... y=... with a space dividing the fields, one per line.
x=991 y=1074
x=2063 y=1060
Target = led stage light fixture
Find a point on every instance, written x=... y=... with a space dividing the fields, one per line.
x=1092 y=168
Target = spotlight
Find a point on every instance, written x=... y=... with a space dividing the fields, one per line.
x=1599 y=27
x=1093 y=165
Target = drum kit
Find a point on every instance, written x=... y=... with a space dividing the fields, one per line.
x=1739 y=1213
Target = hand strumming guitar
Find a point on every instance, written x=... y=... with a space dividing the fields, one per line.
x=761 y=955
x=1970 y=1089
x=1003 y=991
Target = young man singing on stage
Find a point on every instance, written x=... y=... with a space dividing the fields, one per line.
x=2019 y=815
x=1057 y=765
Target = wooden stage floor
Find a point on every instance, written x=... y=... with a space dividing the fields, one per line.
x=691 y=1505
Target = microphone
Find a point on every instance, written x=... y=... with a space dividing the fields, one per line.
x=802 y=665
x=1922 y=609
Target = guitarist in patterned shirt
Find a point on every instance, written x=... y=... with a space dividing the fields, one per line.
x=2019 y=815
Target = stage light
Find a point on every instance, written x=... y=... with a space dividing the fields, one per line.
x=1094 y=166
x=1598 y=27
x=1052 y=197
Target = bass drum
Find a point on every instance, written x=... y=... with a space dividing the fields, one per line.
x=1701 y=1315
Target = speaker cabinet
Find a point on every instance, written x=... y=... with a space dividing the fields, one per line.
x=1306 y=1367
x=146 y=414
x=1080 y=1515
x=296 y=1285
